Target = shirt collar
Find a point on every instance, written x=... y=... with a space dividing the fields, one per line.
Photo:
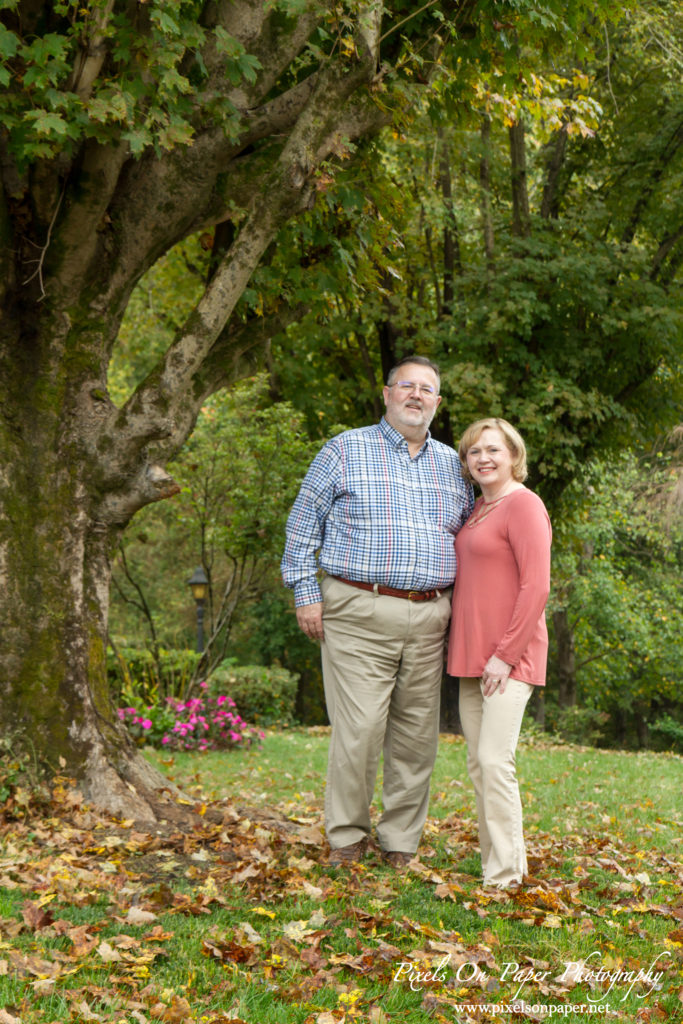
x=396 y=438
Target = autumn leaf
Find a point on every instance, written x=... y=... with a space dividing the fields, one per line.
x=138 y=916
x=35 y=917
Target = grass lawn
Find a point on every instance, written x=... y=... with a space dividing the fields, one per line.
x=240 y=918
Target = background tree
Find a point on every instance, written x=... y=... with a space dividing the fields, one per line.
x=530 y=239
x=616 y=578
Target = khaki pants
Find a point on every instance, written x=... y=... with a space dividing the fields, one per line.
x=491 y=727
x=382 y=663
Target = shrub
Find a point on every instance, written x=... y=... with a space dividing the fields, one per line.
x=200 y=723
x=583 y=725
x=137 y=670
x=671 y=731
x=265 y=696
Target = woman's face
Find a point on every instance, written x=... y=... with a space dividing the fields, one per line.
x=489 y=460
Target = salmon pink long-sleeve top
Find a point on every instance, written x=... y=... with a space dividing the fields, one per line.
x=501 y=589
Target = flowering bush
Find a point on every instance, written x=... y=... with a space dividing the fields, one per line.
x=200 y=723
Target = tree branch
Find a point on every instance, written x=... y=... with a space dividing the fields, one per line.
x=141 y=604
x=288 y=188
x=485 y=195
x=664 y=158
x=92 y=55
x=554 y=165
x=521 y=223
x=663 y=251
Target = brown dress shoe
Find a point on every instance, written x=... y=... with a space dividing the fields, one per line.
x=348 y=854
x=397 y=858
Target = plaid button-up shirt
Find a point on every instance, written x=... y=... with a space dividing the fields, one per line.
x=368 y=511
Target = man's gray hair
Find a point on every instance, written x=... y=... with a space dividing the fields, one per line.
x=416 y=361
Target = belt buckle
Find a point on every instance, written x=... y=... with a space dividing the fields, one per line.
x=415 y=595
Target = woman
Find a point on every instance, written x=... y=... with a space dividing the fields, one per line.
x=498 y=641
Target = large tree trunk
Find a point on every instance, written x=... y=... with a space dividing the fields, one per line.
x=54 y=589
x=566 y=659
x=521 y=219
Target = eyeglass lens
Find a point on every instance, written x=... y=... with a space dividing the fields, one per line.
x=409 y=385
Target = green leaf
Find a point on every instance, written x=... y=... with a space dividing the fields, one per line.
x=9 y=42
x=46 y=123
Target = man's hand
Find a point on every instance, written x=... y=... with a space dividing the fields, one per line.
x=310 y=619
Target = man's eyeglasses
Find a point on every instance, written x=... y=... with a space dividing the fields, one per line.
x=408 y=385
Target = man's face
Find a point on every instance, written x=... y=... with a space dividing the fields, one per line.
x=411 y=410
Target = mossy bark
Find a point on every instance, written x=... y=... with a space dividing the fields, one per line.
x=54 y=587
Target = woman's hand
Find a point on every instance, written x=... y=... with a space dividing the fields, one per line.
x=495 y=676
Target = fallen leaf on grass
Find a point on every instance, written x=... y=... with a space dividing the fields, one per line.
x=43 y=986
x=246 y=932
x=157 y=934
x=85 y=1013
x=250 y=871
x=108 y=953
x=297 y=931
x=314 y=891
x=262 y=910
x=27 y=965
x=230 y=952
x=177 y=1013
x=35 y=917
x=552 y=921
x=138 y=916
x=312 y=836
x=448 y=891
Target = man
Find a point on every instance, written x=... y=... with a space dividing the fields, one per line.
x=378 y=511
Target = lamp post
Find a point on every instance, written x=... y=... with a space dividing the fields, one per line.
x=199 y=585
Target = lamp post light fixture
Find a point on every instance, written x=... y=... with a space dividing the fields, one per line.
x=199 y=585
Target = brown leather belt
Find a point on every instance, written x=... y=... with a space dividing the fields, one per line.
x=410 y=595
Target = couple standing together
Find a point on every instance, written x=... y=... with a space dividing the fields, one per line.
x=388 y=513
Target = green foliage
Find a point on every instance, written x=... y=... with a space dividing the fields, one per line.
x=239 y=474
x=154 y=68
x=14 y=772
x=138 y=674
x=573 y=329
x=671 y=731
x=270 y=634
x=584 y=725
x=616 y=570
x=152 y=318
x=265 y=696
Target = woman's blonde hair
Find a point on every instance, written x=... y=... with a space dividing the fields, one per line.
x=512 y=439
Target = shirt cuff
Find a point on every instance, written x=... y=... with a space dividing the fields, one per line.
x=307 y=592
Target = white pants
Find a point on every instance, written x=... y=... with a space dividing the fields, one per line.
x=491 y=727
x=382 y=667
